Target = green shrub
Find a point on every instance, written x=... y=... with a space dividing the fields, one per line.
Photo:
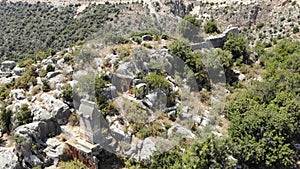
x=237 y=47
x=260 y=25
x=152 y=130
x=74 y=164
x=43 y=73
x=27 y=79
x=23 y=116
x=5 y=117
x=67 y=93
x=211 y=27
x=50 y=68
x=156 y=81
x=123 y=51
x=114 y=39
x=164 y=36
x=26 y=63
x=38 y=30
x=45 y=87
x=295 y=30
x=5 y=90
x=137 y=39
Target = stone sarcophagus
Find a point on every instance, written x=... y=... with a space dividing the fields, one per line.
x=90 y=122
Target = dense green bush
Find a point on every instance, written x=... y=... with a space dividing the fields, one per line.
x=23 y=116
x=46 y=87
x=5 y=117
x=5 y=90
x=260 y=25
x=211 y=27
x=27 y=79
x=50 y=68
x=210 y=153
x=295 y=30
x=157 y=81
x=265 y=117
x=237 y=46
x=67 y=93
x=191 y=59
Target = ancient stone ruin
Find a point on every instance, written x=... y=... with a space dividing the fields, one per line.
x=215 y=41
x=86 y=148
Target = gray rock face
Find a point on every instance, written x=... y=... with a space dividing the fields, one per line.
x=19 y=71
x=17 y=94
x=7 y=66
x=215 y=41
x=117 y=128
x=53 y=74
x=47 y=61
x=205 y=119
x=55 y=150
x=52 y=109
x=156 y=100
x=37 y=130
x=147 y=149
x=110 y=92
x=16 y=104
x=60 y=63
x=8 y=158
x=33 y=133
x=6 y=79
x=180 y=131
x=242 y=77
x=69 y=70
x=141 y=150
x=53 y=82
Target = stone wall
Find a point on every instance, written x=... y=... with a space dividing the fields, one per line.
x=215 y=41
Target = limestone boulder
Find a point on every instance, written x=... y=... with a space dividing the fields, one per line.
x=55 y=150
x=8 y=65
x=53 y=74
x=53 y=109
x=178 y=130
x=147 y=149
x=17 y=94
x=156 y=100
x=19 y=71
x=37 y=130
x=55 y=82
x=8 y=158
x=60 y=63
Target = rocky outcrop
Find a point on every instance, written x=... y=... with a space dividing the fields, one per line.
x=8 y=158
x=51 y=108
x=141 y=149
x=7 y=66
x=55 y=150
x=31 y=138
x=17 y=94
x=181 y=131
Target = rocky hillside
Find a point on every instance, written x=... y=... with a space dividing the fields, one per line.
x=165 y=101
